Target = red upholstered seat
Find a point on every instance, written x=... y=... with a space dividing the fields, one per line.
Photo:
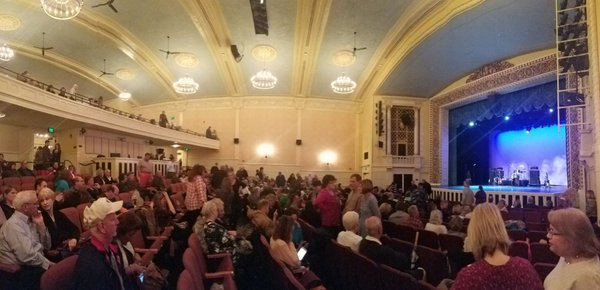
x=540 y=253
x=73 y=215
x=536 y=236
x=406 y=233
x=519 y=249
x=543 y=269
x=59 y=276
x=429 y=239
x=187 y=282
x=451 y=243
x=517 y=235
x=435 y=264
x=394 y=279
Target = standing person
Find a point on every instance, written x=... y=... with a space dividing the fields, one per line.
x=145 y=169
x=571 y=236
x=171 y=167
x=162 y=120
x=368 y=205
x=468 y=197
x=46 y=155
x=100 y=265
x=38 y=159
x=480 y=196
x=23 y=239
x=328 y=203
x=353 y=201
x=56 y=152
x=493 y=268
x=195 y=193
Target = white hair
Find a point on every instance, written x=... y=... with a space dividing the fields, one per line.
x=350 y=220
x=24 y=197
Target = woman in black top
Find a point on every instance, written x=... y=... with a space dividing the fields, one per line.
x=64 y=234
x=9 y=193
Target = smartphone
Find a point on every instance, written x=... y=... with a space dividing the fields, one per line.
x=301 y=253
x=141 y=277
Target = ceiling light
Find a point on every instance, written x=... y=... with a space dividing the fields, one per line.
x=343 y=85
x=124 y=96
x=263 y=80
x=2 y=115
x=6 y=53
x=186 y=85
x=62 y=9
x=175 y=145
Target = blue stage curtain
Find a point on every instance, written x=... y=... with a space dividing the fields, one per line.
x=510 y=104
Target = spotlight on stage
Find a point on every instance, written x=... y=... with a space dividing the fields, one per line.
x=471 y=124
x=551 y=110
x=526 y=131
x=506 y=118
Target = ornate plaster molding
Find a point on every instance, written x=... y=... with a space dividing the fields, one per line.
x=489 y=69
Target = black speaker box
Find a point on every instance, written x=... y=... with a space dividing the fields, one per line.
x=236 y=140
x=298 y=142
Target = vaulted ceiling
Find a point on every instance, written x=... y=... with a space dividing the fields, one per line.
x=413 y=47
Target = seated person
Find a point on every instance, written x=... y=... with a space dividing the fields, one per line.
x=400 y=216
x=23 y=239
x=350 y=237
x=530 y=202
x=414 y=218
x=372 y=248
x=64 y=234
x=9 y=193
x=100 y=264
x=214 y=237
x=260 y=218
x=502 y=205
x=435 y=223
x=129 y=223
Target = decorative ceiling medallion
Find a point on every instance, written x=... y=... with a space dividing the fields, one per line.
x=125 y=74
x=264 y=53
x=9 y=22
x=186 y=60
x=344 y=58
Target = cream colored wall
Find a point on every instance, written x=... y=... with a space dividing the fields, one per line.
x=594 y=42
x=16 y=143
x=120 y=105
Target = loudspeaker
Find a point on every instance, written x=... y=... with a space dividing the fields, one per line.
x=236 y=140
x=298 y=142
x=366 y=155
x=236 y=54
x=380 y=144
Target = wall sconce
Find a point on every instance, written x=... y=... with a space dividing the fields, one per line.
x=265 y=150
x=328 y=157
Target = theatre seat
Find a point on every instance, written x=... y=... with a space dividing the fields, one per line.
x=59 y=276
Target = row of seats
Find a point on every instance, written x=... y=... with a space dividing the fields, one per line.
x=196 y=275
x=21 y=183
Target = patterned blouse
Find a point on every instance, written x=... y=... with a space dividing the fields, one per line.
x=215 y=240
x=195 y=193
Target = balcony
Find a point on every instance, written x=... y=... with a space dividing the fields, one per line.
x=391 y=161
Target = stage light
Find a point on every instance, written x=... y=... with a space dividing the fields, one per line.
x=506 y=118
x=551 y=110
x=471 y=124
x=527 y=131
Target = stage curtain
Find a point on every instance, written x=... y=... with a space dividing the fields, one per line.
x=511 y=104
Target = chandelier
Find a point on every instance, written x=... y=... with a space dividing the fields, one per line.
x=124 y=96
x=343 y=85
x=186 y=85
x=62 y=9
x=263 y=80
x=6 y=53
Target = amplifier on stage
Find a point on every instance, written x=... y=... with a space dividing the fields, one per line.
x=534 y=176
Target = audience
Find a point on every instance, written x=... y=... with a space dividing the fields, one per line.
x=350 y=237
x=9 y=194
x=414 y=218
x=571 y=236
x=372 y=248
x=64 y=234
x=400 y=216
x=354 y=198
x=214 y=237
x=100 y=265
x=435 y=223
x=368 y=204
x=23 y=239
x=493 y=269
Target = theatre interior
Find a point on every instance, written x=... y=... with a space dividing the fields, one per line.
x=452 y=94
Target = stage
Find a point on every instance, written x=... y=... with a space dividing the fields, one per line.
x=509 y=193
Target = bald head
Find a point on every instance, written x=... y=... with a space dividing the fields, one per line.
x=374 y=227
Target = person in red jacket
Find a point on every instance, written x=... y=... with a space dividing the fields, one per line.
x=329 y=206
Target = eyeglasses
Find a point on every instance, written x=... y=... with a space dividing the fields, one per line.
x=552 y=232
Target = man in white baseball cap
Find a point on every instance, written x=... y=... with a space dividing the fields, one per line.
x=99 y=265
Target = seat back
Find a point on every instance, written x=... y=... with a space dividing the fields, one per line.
x=192 y=264
x=187 y=282
x=13 y=181
x=80 y=209
x=406 y=233
x=429 y=239
x=73 y=215
x=391 y=278
x=435 y=264
x=401 y=246
x=543 y=269
x=344 y=272
x=125 y=196
x=59 y=276
x=519 y=249
x=537 y=227
x=451 y=243
x=307 y=230
x=536 y=236
x=426 y=286
x=368 y=278
x=540 y=253
x=390 y=229
x=517 y=235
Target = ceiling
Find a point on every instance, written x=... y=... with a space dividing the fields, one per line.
x=412 y=50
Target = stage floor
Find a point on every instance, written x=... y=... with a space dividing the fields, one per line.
x=555 y=189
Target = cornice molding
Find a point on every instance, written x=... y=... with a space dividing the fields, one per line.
x=420 y=20
x=278 y=102
x=311 y=22
x=208 y=18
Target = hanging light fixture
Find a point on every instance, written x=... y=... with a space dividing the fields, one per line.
x=124 y=96
x=343 y=85
x=186 y=85
x=6 y=53
x=62 y=9
x=263 y=80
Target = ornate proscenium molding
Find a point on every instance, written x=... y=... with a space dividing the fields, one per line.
x=503 y=80
x=489 y=69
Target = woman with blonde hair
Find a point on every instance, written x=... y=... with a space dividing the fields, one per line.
x=571 y=237
x=435 y=223
x=493 y=269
